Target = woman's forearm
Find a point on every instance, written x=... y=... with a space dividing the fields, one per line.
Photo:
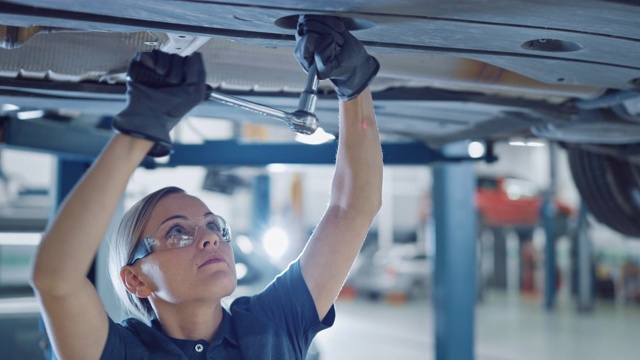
x=355 y=200
x=70 y=243
x=357 y=182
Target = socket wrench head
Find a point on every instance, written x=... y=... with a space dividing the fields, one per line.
x=303 y=122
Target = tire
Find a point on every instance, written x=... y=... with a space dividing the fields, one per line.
x=609 y=187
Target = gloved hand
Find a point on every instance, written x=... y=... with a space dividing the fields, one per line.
x=338 y=55
x=161 y=89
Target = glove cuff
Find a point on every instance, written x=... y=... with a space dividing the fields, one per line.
x=350 y=88
x=162 y=142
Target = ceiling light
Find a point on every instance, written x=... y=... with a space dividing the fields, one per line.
x=277 y=168
x=530 y=143
x=275 y=242
x=476 y=149
x=31 y=114
x=9 y=108
x=241 y=270
x=163 y=159
x=244 y=243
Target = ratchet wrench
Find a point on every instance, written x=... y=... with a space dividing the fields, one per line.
x=302 y=121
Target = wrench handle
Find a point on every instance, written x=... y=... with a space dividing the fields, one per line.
x=247 y=105
x=302 y=121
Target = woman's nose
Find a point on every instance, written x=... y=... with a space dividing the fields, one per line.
x=206 y=238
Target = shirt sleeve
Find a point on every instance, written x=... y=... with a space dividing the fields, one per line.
x=288 y=304
x=121 y=343
x=115 y=344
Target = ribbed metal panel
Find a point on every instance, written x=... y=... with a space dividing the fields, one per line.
x=104 y=56
x=73 y=56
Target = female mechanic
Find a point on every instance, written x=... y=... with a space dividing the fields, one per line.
x=172 y=255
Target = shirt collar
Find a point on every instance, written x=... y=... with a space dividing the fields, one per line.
x=225 y=331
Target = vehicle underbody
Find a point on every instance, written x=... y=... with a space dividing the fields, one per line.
x=564 y=71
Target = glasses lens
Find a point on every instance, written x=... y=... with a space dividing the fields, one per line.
x=174 y=234
x=182 y=232
x=216 y=225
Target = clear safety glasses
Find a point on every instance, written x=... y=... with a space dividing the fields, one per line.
x=180 y=232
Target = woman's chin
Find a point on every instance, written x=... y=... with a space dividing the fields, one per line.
x=222 y=285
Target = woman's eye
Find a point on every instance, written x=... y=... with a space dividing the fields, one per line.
x=212 y=226
x=175 y=230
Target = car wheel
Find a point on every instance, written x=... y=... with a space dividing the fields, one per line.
x=610 y=188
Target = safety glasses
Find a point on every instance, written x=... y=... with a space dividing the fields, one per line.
x=180 y=232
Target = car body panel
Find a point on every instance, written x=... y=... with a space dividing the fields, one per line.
x=605 y=30
x=508 y=201
x=464 y=46
x=498 y=208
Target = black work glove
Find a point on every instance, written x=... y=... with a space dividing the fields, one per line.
x=161 y=89
x=338 y=55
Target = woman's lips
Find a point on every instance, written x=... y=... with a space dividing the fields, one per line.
x=213 y=259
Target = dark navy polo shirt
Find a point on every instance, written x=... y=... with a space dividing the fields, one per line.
x=278 y=323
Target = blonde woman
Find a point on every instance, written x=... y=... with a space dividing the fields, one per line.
x=172 y=258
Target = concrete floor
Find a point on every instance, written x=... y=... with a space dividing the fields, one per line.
x=507 y=328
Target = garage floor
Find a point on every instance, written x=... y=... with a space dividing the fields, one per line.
x=507 y=328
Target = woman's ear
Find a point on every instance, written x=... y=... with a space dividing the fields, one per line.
x=133 y=283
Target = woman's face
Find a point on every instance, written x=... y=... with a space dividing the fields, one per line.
x=204 y=270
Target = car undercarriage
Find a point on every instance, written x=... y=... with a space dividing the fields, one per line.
x=566 y=71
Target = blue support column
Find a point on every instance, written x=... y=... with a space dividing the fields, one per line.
x=68 y=173
x=261 y=212
x=548 y=214
x=455 y=260
x=548 y=218
x=585 y=293
x=235 y=153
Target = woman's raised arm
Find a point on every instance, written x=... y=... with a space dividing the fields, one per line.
x=75 y=318
x=356 y=190
x=355 y=201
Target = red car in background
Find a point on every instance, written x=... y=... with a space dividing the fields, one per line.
x=509 y=201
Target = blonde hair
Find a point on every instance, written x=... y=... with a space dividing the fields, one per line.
x=124 y=244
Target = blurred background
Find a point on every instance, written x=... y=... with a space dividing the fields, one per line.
x=386 y=307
